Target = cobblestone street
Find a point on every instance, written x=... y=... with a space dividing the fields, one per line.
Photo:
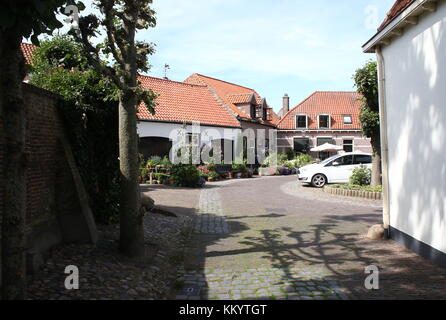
x=270 y=238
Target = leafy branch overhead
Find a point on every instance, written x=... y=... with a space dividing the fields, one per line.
x=366 y=80
x=118 y=17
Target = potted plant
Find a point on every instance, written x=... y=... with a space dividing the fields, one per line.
x=213 y=176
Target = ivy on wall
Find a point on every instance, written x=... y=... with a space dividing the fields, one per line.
x=90 y=111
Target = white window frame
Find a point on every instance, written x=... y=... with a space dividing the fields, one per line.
x=319 y=121
x=306 y=121
x=348 y=138
x=351 y=119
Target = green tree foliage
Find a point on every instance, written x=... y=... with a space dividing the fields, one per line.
x=91 y=112
x=366 y=81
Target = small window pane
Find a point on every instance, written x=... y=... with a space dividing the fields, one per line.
x=348 y=120
x=345 y=161
x=348 y=145
x=321 y=141
x=324 y=122
x=301 y=122
x=301 y=145
x=363 y=159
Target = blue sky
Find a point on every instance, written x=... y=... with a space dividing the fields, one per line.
x=272 y=46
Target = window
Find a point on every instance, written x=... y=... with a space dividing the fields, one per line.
x=348 y=145
x=301 y=145
x=253 y=110
x=324 y=121
x=321 y=141
x=342 y=161
x=362 y=159
x=301 y=122
x=259 y=112
x=348 y=119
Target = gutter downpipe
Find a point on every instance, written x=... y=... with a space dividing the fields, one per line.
x=384 y=139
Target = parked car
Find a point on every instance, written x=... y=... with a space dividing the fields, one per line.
x=337 y=169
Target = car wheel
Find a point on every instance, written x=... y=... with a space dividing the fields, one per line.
x=319 y=181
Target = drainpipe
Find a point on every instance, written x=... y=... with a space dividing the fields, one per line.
x=384 y=140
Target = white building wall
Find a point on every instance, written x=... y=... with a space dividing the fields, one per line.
x=164 y=130
x=416 y=104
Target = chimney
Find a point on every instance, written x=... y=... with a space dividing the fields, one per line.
x=286 y=104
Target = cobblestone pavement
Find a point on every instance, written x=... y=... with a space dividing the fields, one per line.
x=286 y=241
x=106 y=275
x=210 y=219
x=259 y=284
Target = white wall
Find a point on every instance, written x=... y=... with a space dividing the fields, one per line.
x=416 y=102
x=164 y=130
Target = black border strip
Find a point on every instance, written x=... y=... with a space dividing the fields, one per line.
x=421 y=248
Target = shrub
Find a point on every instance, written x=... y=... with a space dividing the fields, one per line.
x=185 y=175
x=241 y=167
x=269 y=161
x=361 y=176
x=164 y=178
x=144 y=173
x=165 y=162
x=154 y=161
x=290 y=164
x=213 y=175
x=303 y=160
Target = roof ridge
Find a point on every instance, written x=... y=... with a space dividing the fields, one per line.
x=240 y=94
x=174 y=81
x=202 y=75
x=335 y=91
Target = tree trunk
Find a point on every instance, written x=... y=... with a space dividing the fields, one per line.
x=376 y=164
x=13 y=130
x=132 y=232
x=132 y=224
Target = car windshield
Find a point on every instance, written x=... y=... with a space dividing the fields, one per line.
x=326 y=161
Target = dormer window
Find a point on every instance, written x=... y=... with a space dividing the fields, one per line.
x=259 y=112
x=302 y=121
x=253 y=111
x=348 y=119
x=324 y=121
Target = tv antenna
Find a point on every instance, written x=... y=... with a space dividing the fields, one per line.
x=166 y=68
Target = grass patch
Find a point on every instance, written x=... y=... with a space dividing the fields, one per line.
x=356 y=187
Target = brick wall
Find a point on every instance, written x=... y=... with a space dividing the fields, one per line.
x=57 y=207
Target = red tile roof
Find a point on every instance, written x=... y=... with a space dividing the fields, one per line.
x=27 y=50
x=226 y=92
x=182 y=102
x=241 y=98
x=336 y=104
x=397 y=8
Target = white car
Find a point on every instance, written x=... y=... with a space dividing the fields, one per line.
x=337 y=169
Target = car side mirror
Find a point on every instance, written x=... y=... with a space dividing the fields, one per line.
x=336 y=164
